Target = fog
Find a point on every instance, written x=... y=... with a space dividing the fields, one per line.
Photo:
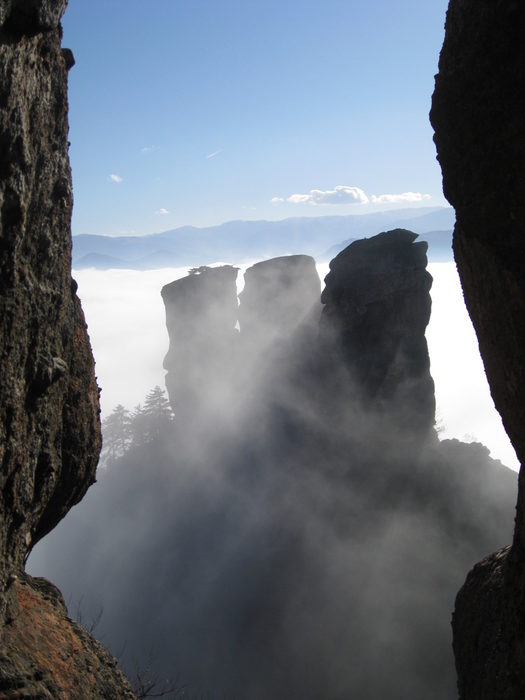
x=296 y=530
x=126 y=320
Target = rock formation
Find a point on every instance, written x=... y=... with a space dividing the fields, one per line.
x=210 y=363
x=377 y=307
x=314 y=549
x=49 y=412
x=478 y=114
x=201 y=314
x=278 y=295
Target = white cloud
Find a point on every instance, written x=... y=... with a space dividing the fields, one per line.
x=403 y=197
x=148 y=149
x=212 y=155
x=277 y=200
x=162 y=211
x=341 y=194
x=115 y=178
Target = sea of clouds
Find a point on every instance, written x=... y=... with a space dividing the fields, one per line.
x=126 y=322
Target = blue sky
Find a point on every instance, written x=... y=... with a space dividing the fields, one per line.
x=200 y=111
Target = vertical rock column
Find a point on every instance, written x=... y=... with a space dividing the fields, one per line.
x=280 y=296
x=201 y=314
x=377 y=307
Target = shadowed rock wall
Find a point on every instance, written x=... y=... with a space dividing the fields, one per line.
x=478 y=113
x=49 y=411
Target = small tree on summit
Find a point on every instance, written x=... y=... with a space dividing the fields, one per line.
x=198 y=270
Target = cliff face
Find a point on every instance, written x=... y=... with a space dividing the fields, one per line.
x=49 y=412
x=478 y=113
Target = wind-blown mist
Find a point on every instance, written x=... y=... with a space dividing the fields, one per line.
x=126 y=321
x=297 y=531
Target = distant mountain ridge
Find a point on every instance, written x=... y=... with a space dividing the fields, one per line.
x=243 y=241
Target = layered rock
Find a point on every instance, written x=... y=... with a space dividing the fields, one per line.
x=49 y=411
x=478 y=113
x=376 y=309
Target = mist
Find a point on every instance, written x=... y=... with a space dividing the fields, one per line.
x=293 y=528
x=126 y=320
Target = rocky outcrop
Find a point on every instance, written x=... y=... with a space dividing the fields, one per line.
x=478 y=114
x=47 y=656
x=376 y=309
x=366 y=349
x=201 y=315
x=49 y=411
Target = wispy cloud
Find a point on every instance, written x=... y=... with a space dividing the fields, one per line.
x=403 y=197
x=214 y=154
x=115 y=178
x=148 y=149
x=162 y=211
x=341 y=194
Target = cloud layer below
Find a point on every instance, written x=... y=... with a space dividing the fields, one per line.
x=124 y=310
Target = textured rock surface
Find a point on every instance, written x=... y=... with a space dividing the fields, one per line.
x=49 y=412
x=201 y=313
x=478 y=113
x=377 y=307
x=47 y=656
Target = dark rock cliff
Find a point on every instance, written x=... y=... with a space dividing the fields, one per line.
x=377 y=307
x=49 y=412
x=478 y=113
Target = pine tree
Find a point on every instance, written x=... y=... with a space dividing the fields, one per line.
x=116 y=433
x=158 y=413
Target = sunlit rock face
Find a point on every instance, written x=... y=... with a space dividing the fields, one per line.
x=478 y=113
x=49 y=410
x=376 y=309
x=201 y=317
x=278 y=296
